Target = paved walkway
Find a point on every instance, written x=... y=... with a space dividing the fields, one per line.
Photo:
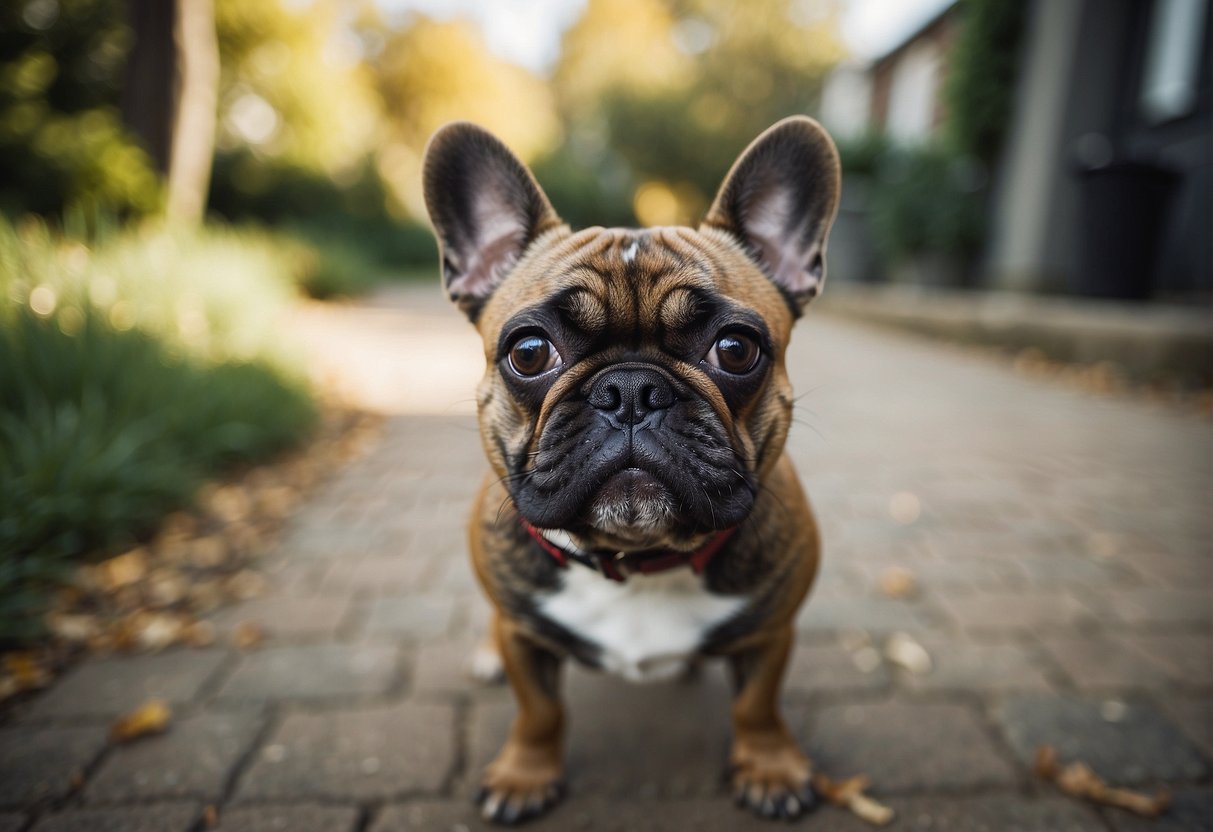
x=1062 y=547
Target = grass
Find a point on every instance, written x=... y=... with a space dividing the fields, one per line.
x=131 y=369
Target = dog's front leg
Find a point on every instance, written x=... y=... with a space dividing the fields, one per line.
x=770 y=772
x=526 y=777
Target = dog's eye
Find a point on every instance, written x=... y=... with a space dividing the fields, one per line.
x=532 y=355
x=734 y=353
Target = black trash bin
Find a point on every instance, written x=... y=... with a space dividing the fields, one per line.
x=1124 y=216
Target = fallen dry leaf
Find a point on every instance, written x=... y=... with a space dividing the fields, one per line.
x=199 y=634
x=898 y=582
x=122 y=570
x=210 y=816
x=154 y=630
x=245 y=584
x=902 y=650
x=1078 y=780
x=849 y=794
x=74 y=627
x=28 y=672
x=152 y=717
x=247 y=634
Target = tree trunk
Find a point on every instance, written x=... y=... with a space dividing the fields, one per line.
x=148 y=96
x=171 y=96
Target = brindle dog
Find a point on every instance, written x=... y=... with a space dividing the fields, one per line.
x=641 y=510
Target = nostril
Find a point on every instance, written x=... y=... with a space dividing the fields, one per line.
x=606 y=396
x=657 y=396
x=613 y=397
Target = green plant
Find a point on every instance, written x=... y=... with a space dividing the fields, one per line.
x=982 y=74
x=862 y=155
x=351 y=215
x=62 y=143
x=129 y=373
x=928 y=200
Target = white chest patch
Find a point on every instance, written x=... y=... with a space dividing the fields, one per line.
x=647 y=628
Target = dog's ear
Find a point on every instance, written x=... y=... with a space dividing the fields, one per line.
x=486 y=209
x=779 y=201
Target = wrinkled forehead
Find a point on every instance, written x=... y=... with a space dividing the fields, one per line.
x=639 y=282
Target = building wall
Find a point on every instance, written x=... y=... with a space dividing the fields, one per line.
x=907 y=83
x=1076 y=106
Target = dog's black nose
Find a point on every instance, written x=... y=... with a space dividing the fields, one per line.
x=630 y=393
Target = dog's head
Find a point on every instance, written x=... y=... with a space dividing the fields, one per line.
x=635 y=392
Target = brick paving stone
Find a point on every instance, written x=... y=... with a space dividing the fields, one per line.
x=1017 y=611
x=1103 y=662
x=838 y=614
x=312 y=671
x=415 y=617
x=109 y=687
x=1194 y=716
x=906 y=746
x=444 y=668
x=369 y=754
x=1060 y=569
x=38 y=763
x=285 y=617
x=381 y=574
x=1191 y=811
x=1158 y=605
x=994 y=813
x=310 y=540
x=1124 y=743
x=295 y=818
x=953 y=577
x=668 y=739
x=164 y=817
x=1187 y=656
x=957 y=665
x=595 y=814
x=832 y=668
x=193 y=759
x=454 y=574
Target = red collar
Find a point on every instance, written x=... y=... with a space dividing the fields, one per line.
x=619 y=565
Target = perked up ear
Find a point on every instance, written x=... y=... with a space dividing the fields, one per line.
x=779 y=201
x=486 y=209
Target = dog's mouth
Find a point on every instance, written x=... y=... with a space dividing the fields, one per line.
x=632 y=504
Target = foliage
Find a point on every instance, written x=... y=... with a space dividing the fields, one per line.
x=347 y=217
x=862 y=155
x=982 y=74
x=129 y=372
x=291 y=87
x=429 y=73
x=61 y=140
x=586 y=188
x=928 y=201
x=677 y=118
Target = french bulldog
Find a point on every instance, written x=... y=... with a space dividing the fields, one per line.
x=640 y=511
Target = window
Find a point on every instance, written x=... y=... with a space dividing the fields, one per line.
x=1171 y=72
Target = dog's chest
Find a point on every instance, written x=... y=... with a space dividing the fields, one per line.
x=648 y=628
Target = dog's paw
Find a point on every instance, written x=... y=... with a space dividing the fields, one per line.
x=509 y=806
x=517 y=787
x=774 y=784
x=485 y=665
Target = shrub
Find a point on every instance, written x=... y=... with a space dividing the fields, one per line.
x=982 y=74
x=862 y=155
x=129 y=373
x=350 y=217
x=928 y=200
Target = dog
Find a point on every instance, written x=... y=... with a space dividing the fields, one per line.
x=641 y=511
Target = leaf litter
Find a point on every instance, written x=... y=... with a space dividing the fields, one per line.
x=157 y=594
